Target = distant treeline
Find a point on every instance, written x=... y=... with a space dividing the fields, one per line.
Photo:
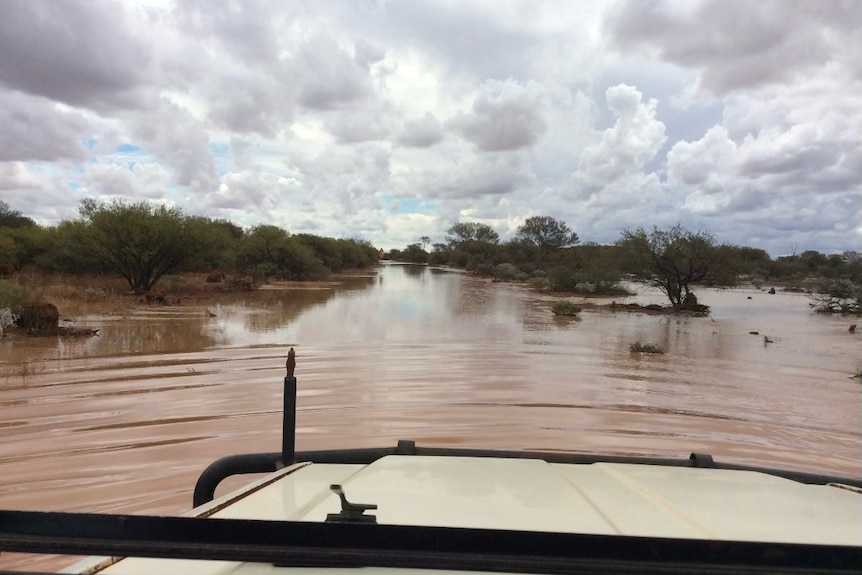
x=142 y=242
x=547 y=252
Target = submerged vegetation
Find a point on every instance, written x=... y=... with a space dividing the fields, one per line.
x=837 y=296
x=638 y=347
x=545 y=252
x=565 y=307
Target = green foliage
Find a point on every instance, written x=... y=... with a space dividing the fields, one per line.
x=546 y=233
x=586 y=269
x=356 y=253
x=269 y=251
x=215 y=244
x=565 y=307
x=507 y=271
x=20 y=246
x=12 y=295
x=414 y=254
x=8 y=254
x=463 y=232
x=143 y=243
x=10 y=218
x=139 y=241
x=740 y=262
x=671 y=260
x=63 y=252
x=795 y=268
x=440 y=255
x=326 y=250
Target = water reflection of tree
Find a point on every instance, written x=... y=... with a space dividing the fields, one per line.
x=273 y=309
x=148 y=335
x=414 y=270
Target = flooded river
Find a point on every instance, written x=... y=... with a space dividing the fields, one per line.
x=125 y=422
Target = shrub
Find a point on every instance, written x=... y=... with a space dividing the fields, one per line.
x=837 y=296
x=12 y=295
x=565 y=307
x=507 y=271
x=638 y=347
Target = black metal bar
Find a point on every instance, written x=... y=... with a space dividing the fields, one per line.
x=288 y=424
x=267 y=462
x=228 y=466
x=344 y=544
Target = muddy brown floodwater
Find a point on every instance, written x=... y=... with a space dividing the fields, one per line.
x=126 y=421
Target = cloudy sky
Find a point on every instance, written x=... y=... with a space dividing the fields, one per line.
x=392 y=120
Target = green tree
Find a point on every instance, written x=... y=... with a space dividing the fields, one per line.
x=8 y=253
x=10 y=218
x=852 y=265
x=139 y=241
x=414 y=254
x=671 y=260
x=471 y=232
x=356 y=253
x=269 y=251
x=547 y=234
x=326 y=250
x=216 y=243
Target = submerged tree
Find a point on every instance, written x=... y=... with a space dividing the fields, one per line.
x=671 y=260
x=837 y=296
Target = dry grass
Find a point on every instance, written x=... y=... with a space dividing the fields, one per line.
x=77 y=295
x=102 y=294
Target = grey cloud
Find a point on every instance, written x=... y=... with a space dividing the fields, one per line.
x=738 y=44
x=505 y=116
x=483 y=43
x=251 y=102
x=782 y=222
x=806 y=144
x=33 y=129
x=366 y=53
x=778 y=186
x=470 y=177
x=68 y=52
x=344 y=180
x=173 y=135
x=46 y=197
x=422 y=132
x=128 y=182
x=252 y=192
x=329 y=76
x=14 y=176
x=374 y=122
x=248 y=30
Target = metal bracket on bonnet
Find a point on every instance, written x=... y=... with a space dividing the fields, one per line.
x=350 y=512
